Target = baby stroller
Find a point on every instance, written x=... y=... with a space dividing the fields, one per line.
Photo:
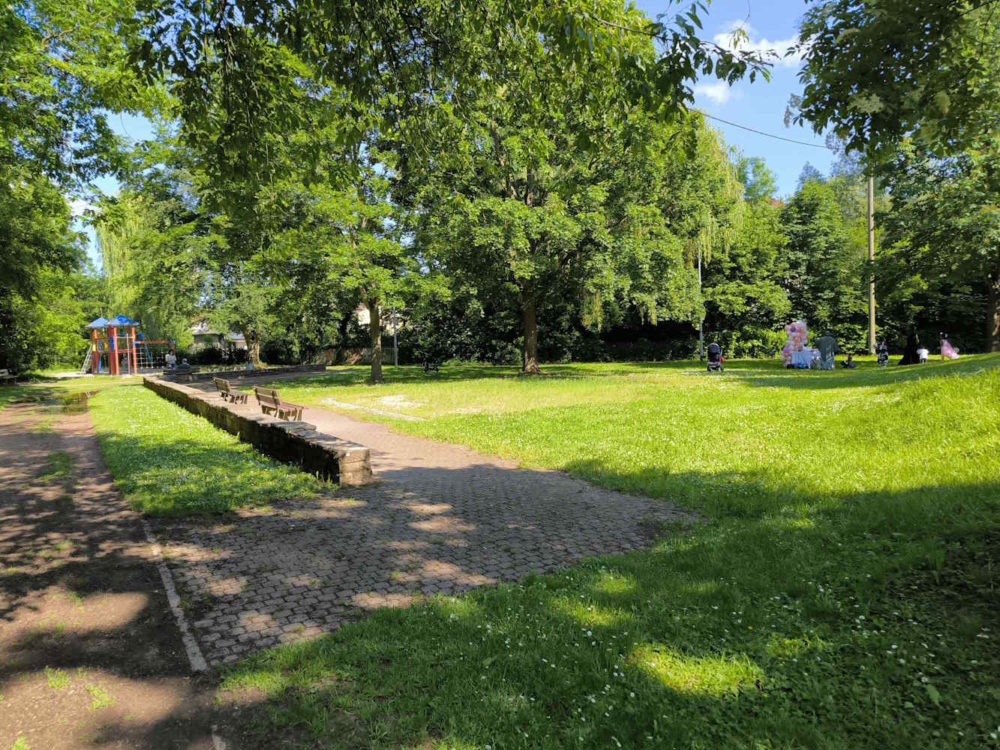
x=882 y=355
x=716 y=362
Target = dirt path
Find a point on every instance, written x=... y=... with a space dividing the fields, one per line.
x=90 y=655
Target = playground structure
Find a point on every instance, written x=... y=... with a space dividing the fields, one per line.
x=118 y=347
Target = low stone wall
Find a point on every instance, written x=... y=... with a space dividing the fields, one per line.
x=196 y=373
x=297 y=443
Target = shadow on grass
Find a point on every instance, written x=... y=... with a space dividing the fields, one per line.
x=871 y=376
x=859 y=620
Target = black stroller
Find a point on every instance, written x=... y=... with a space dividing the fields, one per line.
x=716 y=362
x=882 y=354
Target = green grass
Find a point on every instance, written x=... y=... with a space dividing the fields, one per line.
x=169 y=462
x=58 y=680
x=99 y=698
x=842 y=593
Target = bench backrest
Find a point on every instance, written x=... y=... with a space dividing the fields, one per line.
x=4 y=373
x=222 y=385
x=267 y=396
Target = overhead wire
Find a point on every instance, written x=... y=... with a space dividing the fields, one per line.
x=763 y=133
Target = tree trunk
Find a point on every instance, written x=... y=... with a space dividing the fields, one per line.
x=253 y=347
x=993 y=313
x=529 y=357
x=375 y=327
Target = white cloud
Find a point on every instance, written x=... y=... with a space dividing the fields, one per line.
x=79 y=207
x=719 y=92
x=774 y=50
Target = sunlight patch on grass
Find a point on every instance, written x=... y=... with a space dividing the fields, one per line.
x=591 y=615
x=99 y=698
x=57 y=679
x=612 y=584
x=716 y=676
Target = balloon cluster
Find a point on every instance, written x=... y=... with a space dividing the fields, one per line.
x=798 y=338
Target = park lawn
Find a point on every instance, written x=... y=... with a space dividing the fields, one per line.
x=169 y=462
x=842 y=591
x=461 y=390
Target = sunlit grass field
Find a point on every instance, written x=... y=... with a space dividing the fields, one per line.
x=841 y=592
x=169 y=462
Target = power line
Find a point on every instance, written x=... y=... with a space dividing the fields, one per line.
x=761 y=132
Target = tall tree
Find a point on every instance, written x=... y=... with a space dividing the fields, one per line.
x=744 y=298
x=158 y=243
x=354 y=232
x=60 y=70
x=824 y=271
x=240 y=68
x=552 y=190
x=945 y=224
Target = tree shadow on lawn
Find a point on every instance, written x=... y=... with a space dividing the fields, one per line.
x=857 y=620
x=82 y=609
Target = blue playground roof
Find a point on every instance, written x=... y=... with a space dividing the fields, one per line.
x=118 y=320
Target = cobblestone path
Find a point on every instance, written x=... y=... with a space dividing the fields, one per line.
x=439 y=520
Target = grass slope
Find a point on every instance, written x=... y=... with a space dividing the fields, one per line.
x=842 y=594
x=169 y=462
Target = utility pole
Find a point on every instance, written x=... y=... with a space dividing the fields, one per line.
x=701 y=320
x=871 y=259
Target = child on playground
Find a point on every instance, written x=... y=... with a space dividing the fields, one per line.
x=171 y=360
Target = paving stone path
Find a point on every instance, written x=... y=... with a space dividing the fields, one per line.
x=440 y=519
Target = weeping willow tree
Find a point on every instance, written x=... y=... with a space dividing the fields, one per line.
x=119 y=233
x=677 y=204
x=154 y=252
x=716 y=222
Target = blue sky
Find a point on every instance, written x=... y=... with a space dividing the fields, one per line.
x=770 y=24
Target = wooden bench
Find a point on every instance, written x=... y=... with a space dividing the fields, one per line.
x=6 y=377
x=270 y=401
x=227 y=392
x=180 y=374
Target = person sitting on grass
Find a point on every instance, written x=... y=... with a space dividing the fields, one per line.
x=849 y=362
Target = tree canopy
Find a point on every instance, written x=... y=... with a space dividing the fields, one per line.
x=877 y=71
